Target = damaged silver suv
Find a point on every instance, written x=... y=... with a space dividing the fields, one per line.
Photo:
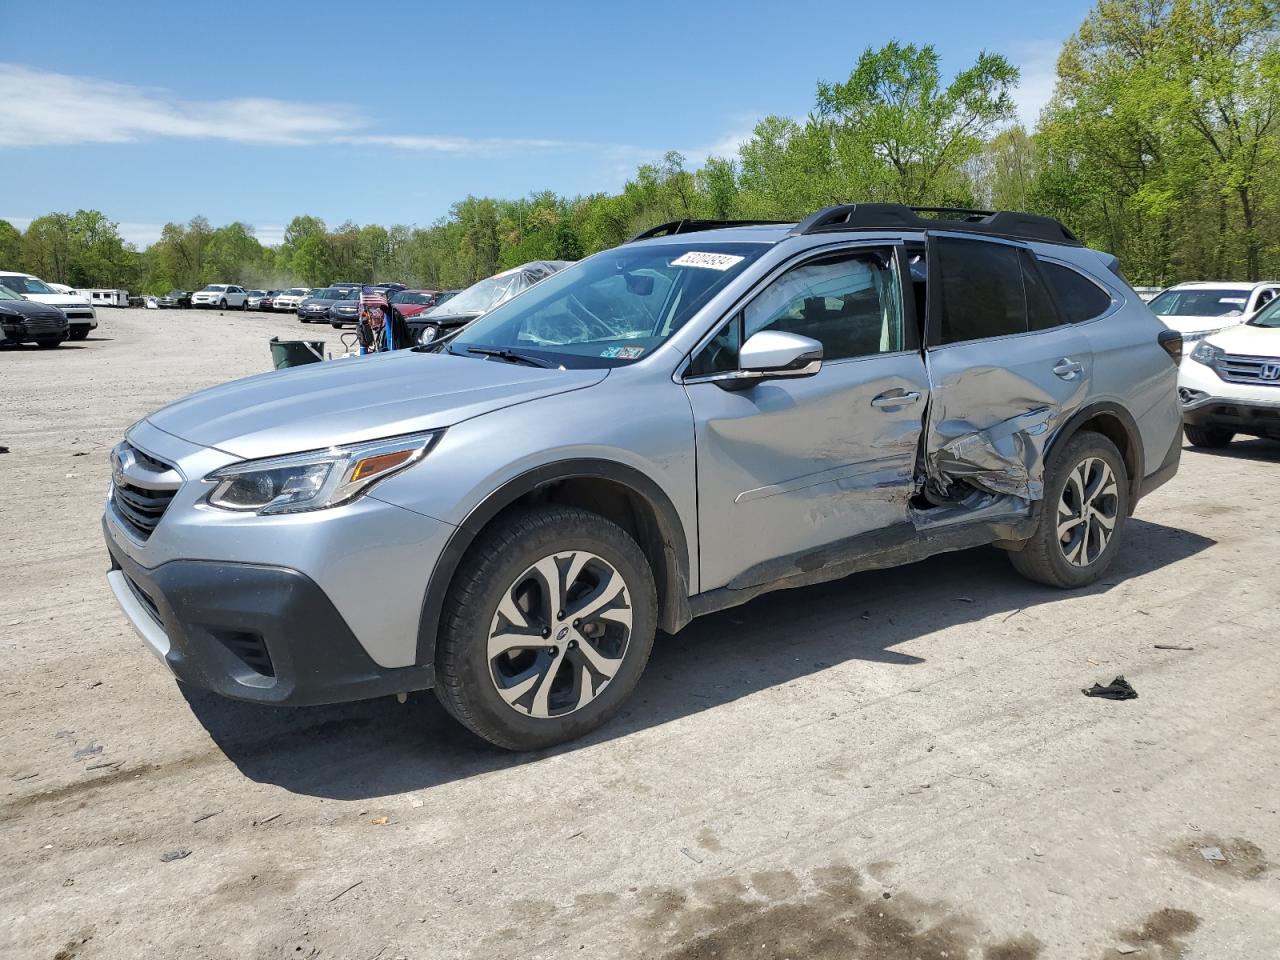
x=666 y=429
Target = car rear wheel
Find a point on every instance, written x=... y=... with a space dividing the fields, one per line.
x=1083 y=516
x=546 y=628
x=1213 y=438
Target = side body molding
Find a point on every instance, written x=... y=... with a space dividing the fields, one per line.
x=672 y=575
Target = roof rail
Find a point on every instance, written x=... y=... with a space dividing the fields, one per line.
x=693 y=226
x=896 y=216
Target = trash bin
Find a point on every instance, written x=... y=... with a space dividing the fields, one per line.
x=294 y=353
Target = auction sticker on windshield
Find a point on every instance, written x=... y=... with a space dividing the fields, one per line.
x=708 y=261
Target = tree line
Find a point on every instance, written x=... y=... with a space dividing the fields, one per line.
x=1160 y=145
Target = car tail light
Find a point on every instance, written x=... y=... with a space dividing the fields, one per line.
x=1171 y=340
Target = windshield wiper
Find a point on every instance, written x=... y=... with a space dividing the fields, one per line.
x=510 y=356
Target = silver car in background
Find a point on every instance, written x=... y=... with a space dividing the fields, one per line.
x=663 y=430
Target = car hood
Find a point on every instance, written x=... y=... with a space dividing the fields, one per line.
x=1191 y=324
x=58 y=299
x=349 y=400
x=1247 y=340
x=29 y=308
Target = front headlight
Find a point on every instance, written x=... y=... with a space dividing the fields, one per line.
x=1205 y=353
x=428 y=333
x=313 y=481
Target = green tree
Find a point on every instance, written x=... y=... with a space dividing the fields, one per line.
x=10 y=247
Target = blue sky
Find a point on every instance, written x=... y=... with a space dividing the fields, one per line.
x=389 y=112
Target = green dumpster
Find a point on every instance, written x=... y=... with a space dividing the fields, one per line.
x=294 y=353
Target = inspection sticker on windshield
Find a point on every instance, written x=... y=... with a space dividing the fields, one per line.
x=622 y=353
x=708 y=261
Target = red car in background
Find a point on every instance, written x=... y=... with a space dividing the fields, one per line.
x=410 y=303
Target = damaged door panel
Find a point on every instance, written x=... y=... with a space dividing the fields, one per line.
x=796 y=465
x=1004 y=373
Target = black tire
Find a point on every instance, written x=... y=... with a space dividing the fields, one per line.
x=46 y=343
x=336 y=326
x=80 y=333
x=1043 y=557
x=1212 y=438
x=244 y=305
x=465 y=684
x=222 y=304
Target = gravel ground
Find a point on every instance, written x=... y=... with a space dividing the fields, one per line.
x=896 y=765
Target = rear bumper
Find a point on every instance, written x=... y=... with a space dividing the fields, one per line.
x=251 y=632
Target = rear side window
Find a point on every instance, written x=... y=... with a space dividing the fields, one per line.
x=1078 y=298
x=1041 y=312
x=981 y=290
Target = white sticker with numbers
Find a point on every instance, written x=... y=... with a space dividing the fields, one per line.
x=708 y=261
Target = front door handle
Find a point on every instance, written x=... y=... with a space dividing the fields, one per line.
x=895 y=398
x=1068 y=369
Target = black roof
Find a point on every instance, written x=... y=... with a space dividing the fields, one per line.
x=895 y=216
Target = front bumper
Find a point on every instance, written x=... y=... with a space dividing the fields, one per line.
x=1208 y=401
x=251 y=632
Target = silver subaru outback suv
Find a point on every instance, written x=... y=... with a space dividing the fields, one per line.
x=665 y=429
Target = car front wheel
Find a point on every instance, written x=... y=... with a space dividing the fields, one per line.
x=546 y=628
x=1083 y=516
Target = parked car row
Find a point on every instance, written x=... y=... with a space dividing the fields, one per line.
x=23 y=321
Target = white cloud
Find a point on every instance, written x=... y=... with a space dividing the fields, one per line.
x=51 y=109
x=1039 y=67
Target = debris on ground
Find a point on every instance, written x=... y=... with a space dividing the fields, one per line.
x=1117 y=689
x=691 y=855
x=379 y=821
x=345 y=891
x=89 y=750
x=1172 y=646
x=1213 y=854
x=258 y=823
x=104 y=766
x=206 y=816
x=170 y=855
x=4 y=449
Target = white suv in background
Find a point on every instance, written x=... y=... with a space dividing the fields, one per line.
x=221 y=295
x=1230 y=382
x=287 y=301
x=1197 y=309
x=81 y=317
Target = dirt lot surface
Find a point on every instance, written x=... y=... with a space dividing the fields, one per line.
x=897 y=765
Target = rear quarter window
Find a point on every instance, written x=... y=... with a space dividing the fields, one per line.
x=1078 y=297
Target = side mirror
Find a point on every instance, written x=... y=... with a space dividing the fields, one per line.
x=774 y=355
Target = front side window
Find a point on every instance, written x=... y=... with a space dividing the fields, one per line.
x=1268 y=316
x=849 y=303
x=610 y=309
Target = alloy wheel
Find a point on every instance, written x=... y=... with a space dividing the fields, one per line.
x=1087 y=511
x=560 y=634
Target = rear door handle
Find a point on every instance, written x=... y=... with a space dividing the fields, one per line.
x=895 y=398
x=1068 y=369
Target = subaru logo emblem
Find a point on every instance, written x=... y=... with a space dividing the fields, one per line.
x=1269 y=371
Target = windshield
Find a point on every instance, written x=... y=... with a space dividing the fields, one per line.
x=296 y=292
x=7 y=294
x=328 y=293
x=175 y=293
x=411 y=296
x=613 y=308
x=1268 y=316
x=25 y=284
x=1200 y=302
x=213 y=288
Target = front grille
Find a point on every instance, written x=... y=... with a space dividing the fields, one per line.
x=37 y=326
x=142 y=488
x=144 y=598
x=1241 y=369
